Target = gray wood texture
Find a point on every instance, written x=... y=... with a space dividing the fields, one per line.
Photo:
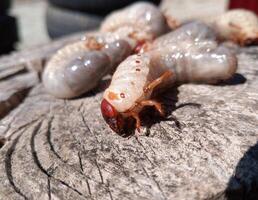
x=206 y=148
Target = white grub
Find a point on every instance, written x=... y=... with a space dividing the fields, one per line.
x=195 y=30
x=239 y=26
x=146 y=19
x=77 y=68
x=188 y=59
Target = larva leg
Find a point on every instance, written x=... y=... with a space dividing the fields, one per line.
x=137 y=119
x=153 y=103
x=158 y=81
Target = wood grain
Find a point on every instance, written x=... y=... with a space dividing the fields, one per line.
x=205 y=149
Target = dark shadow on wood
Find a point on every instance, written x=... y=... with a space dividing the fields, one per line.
x=243 y=185
x=150 y=116
x=19 y=72
x=236 y=79
x=169 y=99
x=2 y=142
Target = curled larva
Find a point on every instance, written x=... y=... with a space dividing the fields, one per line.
x=75 y=69
x=136 y=78
x=239 y=25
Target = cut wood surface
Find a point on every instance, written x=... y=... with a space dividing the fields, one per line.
x=62 y=149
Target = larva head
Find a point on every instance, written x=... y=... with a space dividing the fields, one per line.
x=113 y=118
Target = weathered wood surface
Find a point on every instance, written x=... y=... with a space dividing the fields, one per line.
x=206 y=149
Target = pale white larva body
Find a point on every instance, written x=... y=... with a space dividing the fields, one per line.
x=189 y=60
x=144 y=17
x=195 y=30
x=128 y=81
x=77 y=68
x=196 y=61
x=238 y=25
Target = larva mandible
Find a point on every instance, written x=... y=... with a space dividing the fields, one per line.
x=196 y=57
x=78 y=67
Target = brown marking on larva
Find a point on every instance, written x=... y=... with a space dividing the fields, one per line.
x=132 y=83
x=137 y=69
x=122 y=95
x=234 y=26
x=171 y=22
x=137 y=61
x=112 y=96
x=93 y=44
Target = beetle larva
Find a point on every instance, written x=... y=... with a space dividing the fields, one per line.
x=77 y=68
x=239 y=26
x=82 y=71
x=147 y=22
x=137 y=77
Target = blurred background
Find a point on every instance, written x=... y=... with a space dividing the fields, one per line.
x=26 y=23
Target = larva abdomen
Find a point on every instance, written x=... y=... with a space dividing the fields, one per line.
x=75 y=70
x=128 y=81
x=199 y=67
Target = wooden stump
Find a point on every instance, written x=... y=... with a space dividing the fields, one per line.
x=62 y=149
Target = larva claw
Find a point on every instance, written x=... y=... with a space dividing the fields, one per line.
x=138 y=121
x=153 y=103
x=158 y=81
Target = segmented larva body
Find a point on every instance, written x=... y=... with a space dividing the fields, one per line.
x=186 y=60
x=239 y=25
x=187 y=65
x=195 y=30
x=147 y=23
x=77 y=68
x=72 y=71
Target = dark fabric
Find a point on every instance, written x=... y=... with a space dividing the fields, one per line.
x=4 y=6
x=8 y=33
x=246 y=4
x=101 y=7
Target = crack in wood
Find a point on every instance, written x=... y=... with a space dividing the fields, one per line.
x=37 y=162
x=8 y=166
x=109 y=192
x=49 y=134
x=49 y=188
x=9 y=73
x=13 y=101
x=145 y=155
x=100 y=173
x=80 y=161
x=9 y=136
x=87 y=127
x=88 y=185
x=156 y=182
x=2 y=142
